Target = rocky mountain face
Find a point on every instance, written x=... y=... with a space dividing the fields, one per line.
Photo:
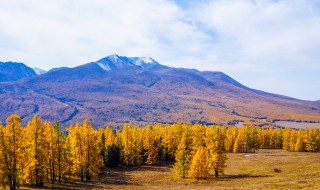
x=117 y=90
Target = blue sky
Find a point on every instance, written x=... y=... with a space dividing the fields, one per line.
x=268 y=45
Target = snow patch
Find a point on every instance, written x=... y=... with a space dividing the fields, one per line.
x=145 y=60
x=38 y=71
x=115 y=57
x=104 y=66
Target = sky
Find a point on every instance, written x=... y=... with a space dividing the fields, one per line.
x=270 y=45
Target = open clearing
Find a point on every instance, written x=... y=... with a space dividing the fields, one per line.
x=299 y=170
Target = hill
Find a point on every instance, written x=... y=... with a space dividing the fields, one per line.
x=116 y=90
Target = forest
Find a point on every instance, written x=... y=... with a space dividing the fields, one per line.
x=42 y=152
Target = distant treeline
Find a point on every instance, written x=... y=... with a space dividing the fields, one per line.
x=42 y=153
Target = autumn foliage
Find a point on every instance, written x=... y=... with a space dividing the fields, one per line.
x=44 y=153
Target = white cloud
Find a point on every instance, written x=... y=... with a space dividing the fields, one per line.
x=250 y=40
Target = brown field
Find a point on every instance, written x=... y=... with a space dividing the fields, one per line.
x=299 y=170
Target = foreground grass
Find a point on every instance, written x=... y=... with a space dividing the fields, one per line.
x=244 y=171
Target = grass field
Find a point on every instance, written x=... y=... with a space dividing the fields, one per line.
x=299 y=170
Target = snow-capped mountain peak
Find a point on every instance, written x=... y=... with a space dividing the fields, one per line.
x=116 y=62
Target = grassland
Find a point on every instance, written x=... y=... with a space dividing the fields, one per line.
x=299 y=170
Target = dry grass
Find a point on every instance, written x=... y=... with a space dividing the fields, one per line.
x=244 y=171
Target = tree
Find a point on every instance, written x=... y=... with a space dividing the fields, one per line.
x=183 y=156
x=150 y=145
x=131 y=146
x=198 y=134
x=215 y=142
x=86 y=158
x=59 y=144
x=300 y=142
x=93 y=162
x=199 y=166
x=113 y=156
x=102 y=147
x=51 y=150
x=36 y=152
x=231 y=133
x=12 y=151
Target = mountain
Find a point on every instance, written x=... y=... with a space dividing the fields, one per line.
x=139 y=90
x=12 y=71
x=39 y=71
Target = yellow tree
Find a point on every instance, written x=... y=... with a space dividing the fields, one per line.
x=300 y=142
x=36 y=152
x=76 y=143
x=312 y=140
x=199 y=166
x=12 y=151
x=150 y=146
x=240 y=143
x=215 y=142
x=198 y=134
x=59 y=144
x=131 y=146
x=85 y=154
x=183 y=156
x=232 y=133
x=286 y=139
x=92 y=159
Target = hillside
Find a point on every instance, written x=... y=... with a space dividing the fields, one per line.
x=116 y=90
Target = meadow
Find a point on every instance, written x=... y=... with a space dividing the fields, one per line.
x=299 y=170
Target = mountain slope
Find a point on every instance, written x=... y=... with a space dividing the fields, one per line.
x=12 y=71
x=116 y=90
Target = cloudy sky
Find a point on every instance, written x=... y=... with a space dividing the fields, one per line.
x=271 y=45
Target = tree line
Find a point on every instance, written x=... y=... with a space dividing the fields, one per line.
x=42 y=152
